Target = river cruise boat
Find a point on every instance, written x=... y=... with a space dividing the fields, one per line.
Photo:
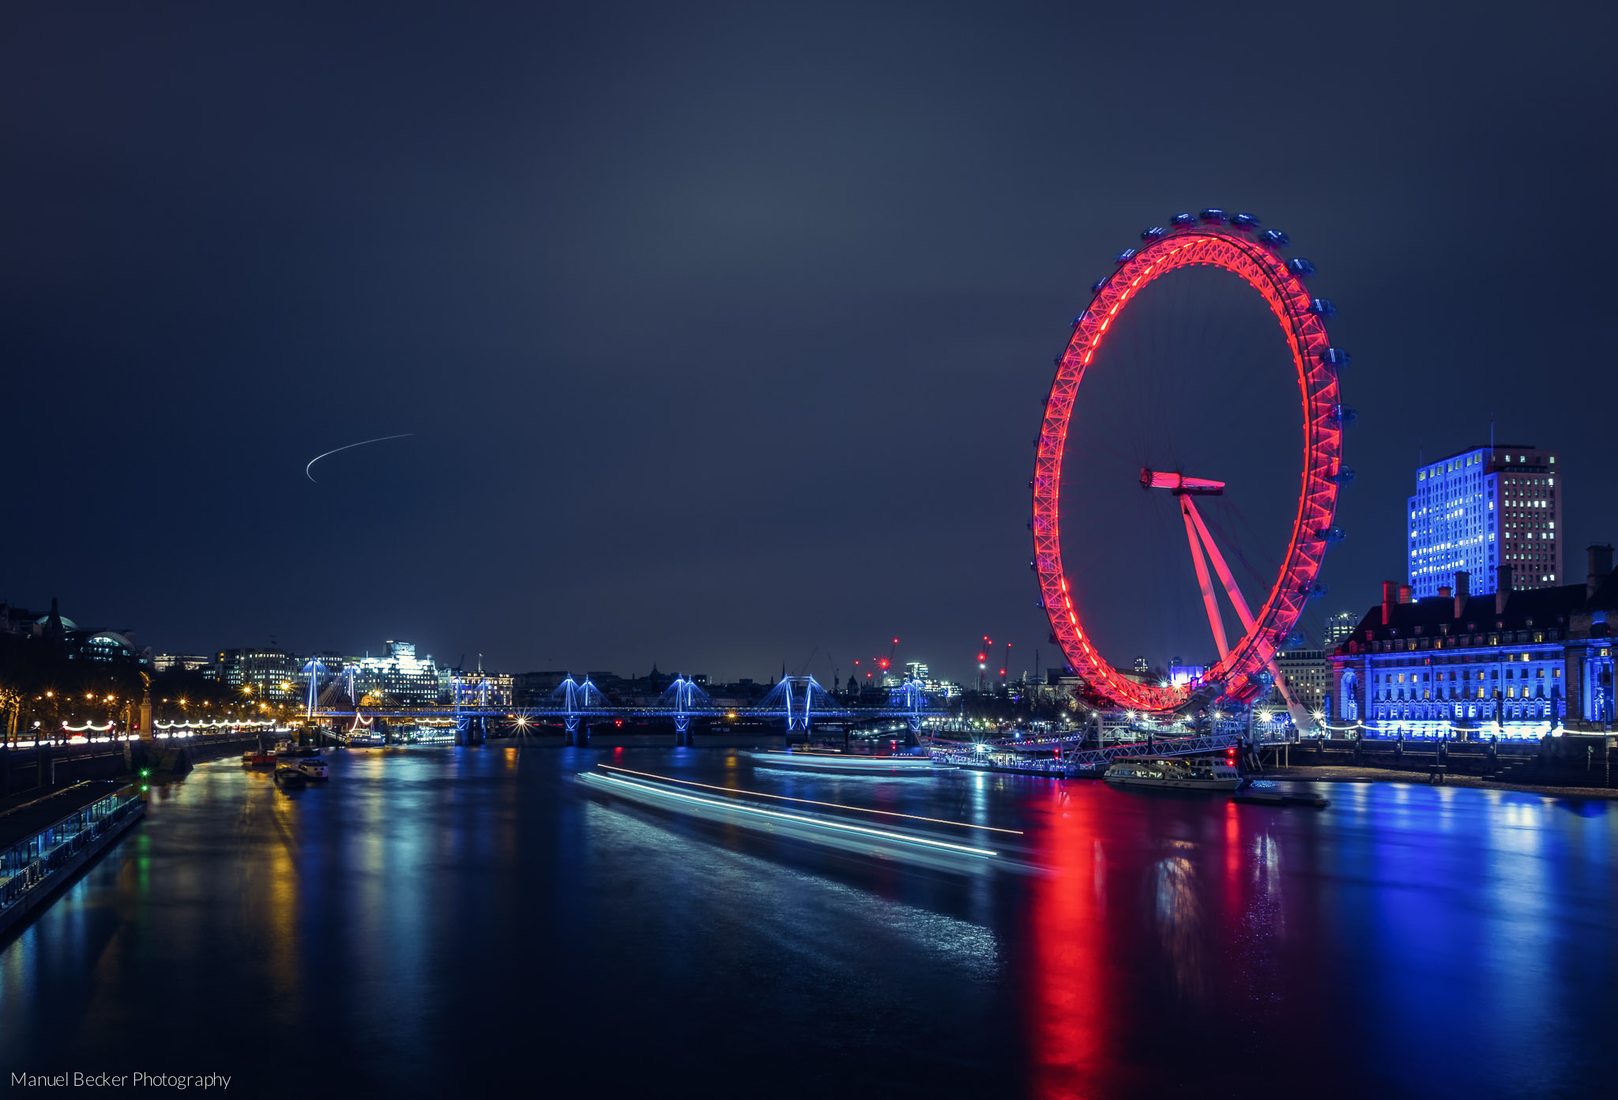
x=258 y=759
x=881 y=747
x=312 y=767
x=846 y=762
x=1175 y=774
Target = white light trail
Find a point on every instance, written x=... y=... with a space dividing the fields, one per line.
x=350 y=447
x=813 y=802
x=815 y=822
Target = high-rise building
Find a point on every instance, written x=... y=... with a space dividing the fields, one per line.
x=1307 y=673
x=266 y=673
x=1339 y=625
x=1482 y=509
x=399 y=676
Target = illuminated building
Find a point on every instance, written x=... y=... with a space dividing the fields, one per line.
x=106 y=647
x=269 y=675
x=1515 y=664
x=475 y=688
x=1339 y=625
x=179 y=662
x=398 y=676
x=1306 y=671
x=1481 y=509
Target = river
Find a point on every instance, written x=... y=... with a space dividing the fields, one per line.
x=449 y=920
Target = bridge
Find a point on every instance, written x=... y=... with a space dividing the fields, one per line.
x=796 y=701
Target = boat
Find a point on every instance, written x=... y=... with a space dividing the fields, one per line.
x=289 y=777
x=1175 y=774
x=365 y=741
x=1267 y=794
x=857 y=763
x=312 y=767
x=258 y=759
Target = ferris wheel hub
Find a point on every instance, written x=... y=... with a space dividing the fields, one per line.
x=1179 y=484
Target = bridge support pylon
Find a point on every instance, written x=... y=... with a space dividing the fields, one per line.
x=472 y=730
x=682 y=731
x=578 y=732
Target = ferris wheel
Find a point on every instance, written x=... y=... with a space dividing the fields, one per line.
x=1239 y=245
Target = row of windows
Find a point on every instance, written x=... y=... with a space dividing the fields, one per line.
x=1480 y=693
x=1460 y=641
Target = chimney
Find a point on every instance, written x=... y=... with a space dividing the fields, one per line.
x=1404 y=593
x=1502 y=588
x=1600 y=568
x=1463 y=592
x=1388 y=588
x=1444 y=591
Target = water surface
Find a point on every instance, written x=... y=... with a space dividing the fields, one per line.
x=447 y=919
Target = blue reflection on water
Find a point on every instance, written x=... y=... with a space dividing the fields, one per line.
x=443 y=919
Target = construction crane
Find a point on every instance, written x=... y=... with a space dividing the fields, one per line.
x=886 y=663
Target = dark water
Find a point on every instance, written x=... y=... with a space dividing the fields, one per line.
x=451 y=920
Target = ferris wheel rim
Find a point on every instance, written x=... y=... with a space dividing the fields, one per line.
x=1280 y=282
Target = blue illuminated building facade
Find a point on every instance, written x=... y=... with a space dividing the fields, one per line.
x=1483 y=509
x=1516 y=665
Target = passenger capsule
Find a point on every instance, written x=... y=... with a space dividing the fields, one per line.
x=1095 y=288
x=1155 y=233
x=1244 y=221
x=1213 y=216
x=1322 y=307
x=1332 y=534
x=1275 y=238
x=1126 y=255
x=1342 y=414
x=1342 y=477
x=1183 y=221
x=1300 y=266
x=1335 y=357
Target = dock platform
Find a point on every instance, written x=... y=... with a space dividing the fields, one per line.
x=45 y=842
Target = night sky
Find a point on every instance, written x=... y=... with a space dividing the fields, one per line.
x=722 y=330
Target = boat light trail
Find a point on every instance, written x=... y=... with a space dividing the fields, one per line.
x=814 y=802
x=350 y=447
x=821 y=823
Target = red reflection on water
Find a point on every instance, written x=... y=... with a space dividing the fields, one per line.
x=1233 y=865
x=1066 y=1013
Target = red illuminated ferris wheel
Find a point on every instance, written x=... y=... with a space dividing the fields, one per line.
x=1237 y=244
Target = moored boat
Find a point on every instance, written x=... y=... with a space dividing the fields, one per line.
x=856 y=763
x=1174 y=773
x=312 y=767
